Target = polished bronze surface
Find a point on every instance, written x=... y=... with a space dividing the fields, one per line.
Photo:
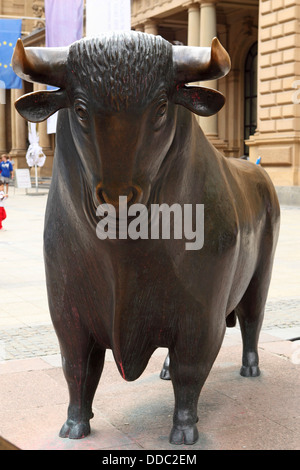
x=125 y=128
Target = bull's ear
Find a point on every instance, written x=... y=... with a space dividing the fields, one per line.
x=199 y=100
x=39 y=105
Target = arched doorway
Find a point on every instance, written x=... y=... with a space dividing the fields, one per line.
x=250 y=95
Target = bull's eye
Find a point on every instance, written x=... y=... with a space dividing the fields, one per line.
x=160 y=113
x=81 y=112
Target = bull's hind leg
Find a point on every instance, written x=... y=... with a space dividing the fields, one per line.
x=82 y=362
x=250 y=313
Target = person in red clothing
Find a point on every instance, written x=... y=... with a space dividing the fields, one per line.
x=3 y=197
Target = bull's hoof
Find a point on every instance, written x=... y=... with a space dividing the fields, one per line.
x=250 y=371
x=74 y=430
x=165 y=372
x=188 y=435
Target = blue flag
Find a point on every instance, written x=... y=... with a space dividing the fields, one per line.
x=10 y=31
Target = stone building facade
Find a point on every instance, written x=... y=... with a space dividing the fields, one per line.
x=261 y=117
x=13 y=128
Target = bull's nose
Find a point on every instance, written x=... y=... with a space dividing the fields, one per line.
x=132 y=193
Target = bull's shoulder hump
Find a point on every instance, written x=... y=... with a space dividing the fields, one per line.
x=245 y=171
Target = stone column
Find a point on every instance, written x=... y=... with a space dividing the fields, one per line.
x=2 y=129
x=19 y=136
x=194 y=31
x=208 y=30
x=140 y=28
x=193 y=24
x=208 y=22
x=44 y=138
x=231 y=126
x=150 y=27
x=44 y=141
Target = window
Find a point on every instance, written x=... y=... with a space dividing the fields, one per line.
x=250 y=89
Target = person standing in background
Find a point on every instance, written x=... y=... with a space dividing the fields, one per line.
x=6 y=171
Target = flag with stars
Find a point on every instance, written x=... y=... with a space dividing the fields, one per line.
x=10 y=31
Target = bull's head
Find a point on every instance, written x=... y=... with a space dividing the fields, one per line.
x=121 y=92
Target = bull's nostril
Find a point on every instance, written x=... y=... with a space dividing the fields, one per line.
x=137 y=194
x=100 y=195
x=103 y=196
x=132 y=194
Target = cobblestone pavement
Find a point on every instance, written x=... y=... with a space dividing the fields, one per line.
x=28 y=341
x=25 y=327
x=283 y=313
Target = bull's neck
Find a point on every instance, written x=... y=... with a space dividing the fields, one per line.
x=182 y=165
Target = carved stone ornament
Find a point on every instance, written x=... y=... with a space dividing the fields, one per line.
x=38 y=11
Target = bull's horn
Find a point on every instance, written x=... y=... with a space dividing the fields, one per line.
x=40 y=64
x=193 y=64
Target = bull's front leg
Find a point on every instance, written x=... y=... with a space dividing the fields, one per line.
x=187 y=386
x=190 y=364
x=82 y=363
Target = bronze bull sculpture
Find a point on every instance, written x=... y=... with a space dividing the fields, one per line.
x=126 y=128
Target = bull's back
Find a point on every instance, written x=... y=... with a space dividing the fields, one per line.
x=258 y=215
x=253 y=191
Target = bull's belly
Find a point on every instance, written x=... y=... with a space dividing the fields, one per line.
x=143 y=316
x=134 y=301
